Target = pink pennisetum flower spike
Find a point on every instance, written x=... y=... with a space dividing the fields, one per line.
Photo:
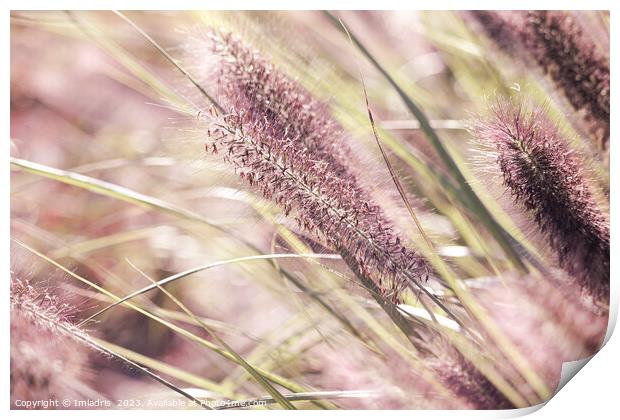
x=559 y=45
x=285 y=143
x=547 y=179
x=46 y=363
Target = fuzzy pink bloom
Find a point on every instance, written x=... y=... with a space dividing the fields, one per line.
x=284 y=142
x=547 y=179
x=468 y=383
x=46 y=363
x=502 y=31
x=568 y=56
x=555 y=43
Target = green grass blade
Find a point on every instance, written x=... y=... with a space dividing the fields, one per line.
x=194 y=270
x=474 y=202
x=275 y=394
x=105 y=188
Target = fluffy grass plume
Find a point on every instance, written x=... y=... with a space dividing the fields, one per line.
x=467 y=383
x=283 y=141
x=564 y=51
x=503 y=32
x=46 y=363
x=547 y=179
x=556 y=43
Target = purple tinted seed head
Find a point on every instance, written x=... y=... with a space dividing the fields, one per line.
x=568 y=56
x=249 y=81
x=495 y=25
x=547 y=179
x=46 y=363
x=467 y=382
x=555 y=42
x=283 y=142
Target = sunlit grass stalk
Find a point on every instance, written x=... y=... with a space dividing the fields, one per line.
x=275 y=378
x=124 y=194
x=268 y=386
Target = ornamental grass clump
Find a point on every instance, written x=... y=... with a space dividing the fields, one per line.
x=284 y=142
x=286 y=270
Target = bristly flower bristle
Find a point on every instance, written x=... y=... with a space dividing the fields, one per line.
x=46 y=363
x=250 y=82
x=568 y=56
x=283 y=141
x=547 y=179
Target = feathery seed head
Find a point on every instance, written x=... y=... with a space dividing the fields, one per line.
x=555 y=42
x=498 y=28
x=561 y=48
x=283 y=142
x=46 y=363
x=250 y=82
x=547 y=179
x=468 y=383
